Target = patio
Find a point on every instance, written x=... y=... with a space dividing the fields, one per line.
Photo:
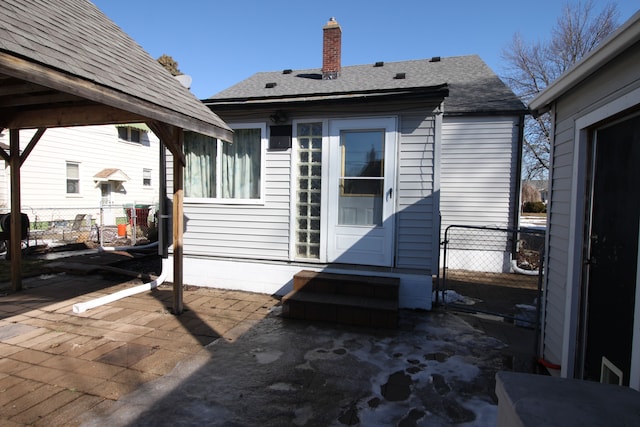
x=56 y=365
x=231 y=359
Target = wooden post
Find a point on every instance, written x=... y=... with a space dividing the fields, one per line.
x=15 y=248
x=178 y=226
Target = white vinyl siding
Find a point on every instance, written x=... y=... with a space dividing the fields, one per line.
x=415 y=192
x=478 y=171
x=612 y=82
x=43 y=175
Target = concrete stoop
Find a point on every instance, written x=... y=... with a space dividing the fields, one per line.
x=343 y=298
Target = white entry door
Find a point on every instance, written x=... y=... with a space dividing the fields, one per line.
x=361 y=191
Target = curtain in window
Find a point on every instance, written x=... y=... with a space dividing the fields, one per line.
x=200 y=173
x=241 y=165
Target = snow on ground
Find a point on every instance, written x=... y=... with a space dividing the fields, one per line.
x=435 y=370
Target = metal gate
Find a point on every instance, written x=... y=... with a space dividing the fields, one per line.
x=495 y=271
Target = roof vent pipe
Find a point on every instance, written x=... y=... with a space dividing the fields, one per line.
x=331 y=49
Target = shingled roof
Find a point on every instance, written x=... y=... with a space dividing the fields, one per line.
x=66 y=52
x=473 y=86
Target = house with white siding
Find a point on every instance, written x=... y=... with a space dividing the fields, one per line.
x=591 y=324
x=349 y=169
x=97 y=171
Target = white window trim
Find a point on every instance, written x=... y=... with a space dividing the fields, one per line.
x=150 y=185
x=263 y=154
x=128 y=140
x=66 y=179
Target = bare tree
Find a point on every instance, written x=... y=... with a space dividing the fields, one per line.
x=530 y=193
x=532 y=66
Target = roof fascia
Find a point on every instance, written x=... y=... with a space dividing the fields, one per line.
x=440 y=91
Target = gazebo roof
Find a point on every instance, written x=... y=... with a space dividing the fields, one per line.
x=64 y=63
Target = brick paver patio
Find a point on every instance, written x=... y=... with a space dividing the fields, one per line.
x=56 y=365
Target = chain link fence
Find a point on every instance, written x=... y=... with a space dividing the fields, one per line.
x=495 y=271
x=108 y=225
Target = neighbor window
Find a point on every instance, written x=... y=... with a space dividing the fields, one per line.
x=73 y=178
x=146 y=177
x=130 y=134
x=217 y=169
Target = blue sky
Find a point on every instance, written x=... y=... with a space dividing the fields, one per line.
x=221 y=42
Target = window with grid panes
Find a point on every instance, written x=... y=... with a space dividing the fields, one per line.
x=309 y=185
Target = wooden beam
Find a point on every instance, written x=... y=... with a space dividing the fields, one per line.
x=83 y=88
x=166 y=134
x=34 y=140
x=15 y=244
x=178 y=228
x=78 y=115
x=52 y=97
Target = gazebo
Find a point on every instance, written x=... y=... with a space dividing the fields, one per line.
x=65 y=63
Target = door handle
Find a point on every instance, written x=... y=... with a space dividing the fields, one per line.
x=390 y=193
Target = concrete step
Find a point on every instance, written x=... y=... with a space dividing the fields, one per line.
x=343 y=298
x=347 y=284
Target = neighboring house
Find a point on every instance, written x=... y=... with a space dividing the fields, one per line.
x=591 y=322
x=348 y=169
x=80 y=170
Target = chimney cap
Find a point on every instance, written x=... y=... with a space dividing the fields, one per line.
x=332 y=23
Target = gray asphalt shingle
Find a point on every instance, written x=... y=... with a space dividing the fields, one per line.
x=473 y=86
x=75 y=37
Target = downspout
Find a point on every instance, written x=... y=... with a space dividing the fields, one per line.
x=518 y=180
x=163 y=248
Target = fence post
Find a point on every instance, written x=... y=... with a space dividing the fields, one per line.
x=101 y=227
x=134 y=223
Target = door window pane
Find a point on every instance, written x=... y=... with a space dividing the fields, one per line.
x=362 y=177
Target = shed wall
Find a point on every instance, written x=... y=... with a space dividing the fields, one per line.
x=478 y=171
x=611 y=82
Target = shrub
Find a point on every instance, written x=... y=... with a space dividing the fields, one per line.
x=534 y=207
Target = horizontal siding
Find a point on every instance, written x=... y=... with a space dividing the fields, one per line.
x=415 y=222
x=478 y=171
x=618 y=77
x=245 y=231
x=43 y=174
x=557 y=250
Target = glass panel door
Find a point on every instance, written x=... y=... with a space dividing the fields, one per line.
x=360 y=203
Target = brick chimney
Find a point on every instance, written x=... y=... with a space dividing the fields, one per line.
x=331 y=49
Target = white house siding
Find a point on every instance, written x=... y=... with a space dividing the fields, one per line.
x=478 y=170
x=94 y=148
x=415 y=205
x=612 y=82
x=478 y=166
x=245 y=231
x=246 y=247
